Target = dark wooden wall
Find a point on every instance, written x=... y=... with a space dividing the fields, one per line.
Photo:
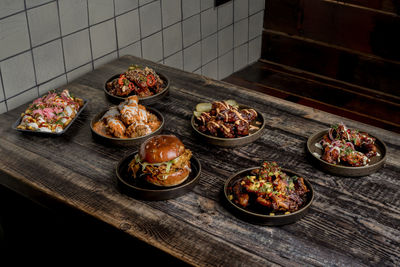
x=352 y=41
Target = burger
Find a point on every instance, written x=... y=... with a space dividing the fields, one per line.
x=162 y=160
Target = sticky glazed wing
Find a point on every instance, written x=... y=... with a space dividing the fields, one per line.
x=347 y=146
x=225 y=120
x=269 y=190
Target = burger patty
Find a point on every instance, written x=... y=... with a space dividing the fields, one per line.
x=161 y=170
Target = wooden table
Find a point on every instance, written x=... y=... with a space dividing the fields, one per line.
x=353 y=221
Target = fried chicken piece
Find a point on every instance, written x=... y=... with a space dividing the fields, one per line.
x=213 y=128
x=331 y=155
x=370 y=150
x=240 y=198
x=219 y=106
x=227 y=130
x=242 y=127
x=354 y=159
x=115 y=127
x=249 y=114
x=204 y=118
x=137 y=130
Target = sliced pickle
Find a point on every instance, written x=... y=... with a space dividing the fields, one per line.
x=231 y=102
x=197 y=114
x=203 y=107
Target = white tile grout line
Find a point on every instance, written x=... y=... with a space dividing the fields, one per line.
x=183 y=49
x=31 y=49
x=248 y=32
x=218 y=57
x=61 y=40
x=90 y=37
x=201 y=44
x=4 y=91
x=25 y=9
x=140 y=33
x=162 y=33
x=116 y=33
x=233 y=37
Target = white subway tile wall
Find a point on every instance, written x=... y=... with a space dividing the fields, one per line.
x=192 y=57
x=209 y=47
x=191 y=30
x=225 y=15
x=122 y=6
x=175 y=61
x=45 y=44
x=8 y=7
x=43 y=23
x=73 y=15
x=172 y=39
x=14 y=35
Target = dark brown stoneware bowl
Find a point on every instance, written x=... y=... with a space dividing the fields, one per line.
x=232 y=142
x=143 y=100
x=265 y=219
x=139 y=188
x=314 y=153
x=124 y=141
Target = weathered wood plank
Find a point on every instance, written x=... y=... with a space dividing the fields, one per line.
x=135 y=217
x=352 y=221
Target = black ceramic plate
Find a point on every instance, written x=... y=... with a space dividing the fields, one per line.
x=232 y=142
x=138 y=188
x=143 y=100
x=260 y=218
x=124 y=141
x=314 y=154
x=48 y=133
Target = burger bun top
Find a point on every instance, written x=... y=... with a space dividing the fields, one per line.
x=161 y=148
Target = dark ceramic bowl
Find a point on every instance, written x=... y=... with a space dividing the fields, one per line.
x=314 y=153
x=143 y=100
x=124 y=141
x=261 y=218
x=141 y=189
x=232 y=142
x=15 y=125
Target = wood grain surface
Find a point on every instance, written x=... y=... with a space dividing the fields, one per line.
x=352 y=222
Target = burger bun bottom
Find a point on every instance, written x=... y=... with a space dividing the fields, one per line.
x=172 y=179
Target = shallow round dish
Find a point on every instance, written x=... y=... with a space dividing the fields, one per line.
x=124 y=141
x=264 y=219
x=233 y=142
x=138 y=188
x=143 y=100
x=314 y=154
